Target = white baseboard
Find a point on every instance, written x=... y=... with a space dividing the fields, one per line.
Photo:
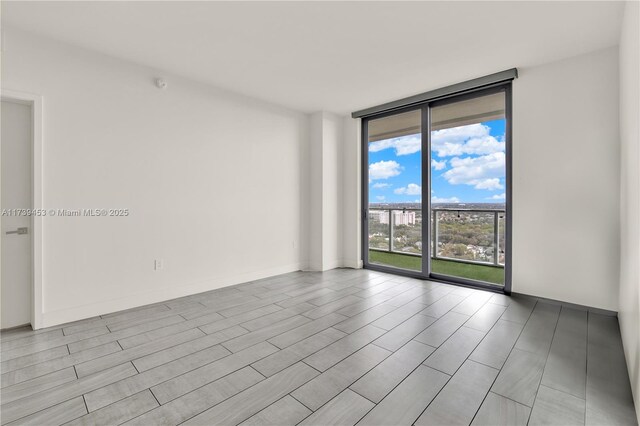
x=350 y=263
x=159 y=295
x=338 y=263
x=333 y=264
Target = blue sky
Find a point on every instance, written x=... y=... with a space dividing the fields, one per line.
x=467 y=166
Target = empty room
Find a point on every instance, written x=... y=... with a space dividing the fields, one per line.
x=320 y=213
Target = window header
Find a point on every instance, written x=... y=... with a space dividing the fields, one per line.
x=499 y=77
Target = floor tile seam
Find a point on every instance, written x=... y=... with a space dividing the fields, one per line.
x=466 y=358
x=342 y=359
x=182 y=374
x=38 y=363
x=134 y=417
x=435 y=396
x=448 y=310
x=49 y=406
x=141 y=356
x=331 y=326
x=312 y=353
x=403 y=379
x=348 y=387
x=387 y=331
x=244 y=390
x=509 y=354
x=486 y=394
x=207 y=384
x=545 y=365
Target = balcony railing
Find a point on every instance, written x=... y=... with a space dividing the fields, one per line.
x=457 y=234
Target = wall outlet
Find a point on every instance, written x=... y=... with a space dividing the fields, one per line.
x=158 y=264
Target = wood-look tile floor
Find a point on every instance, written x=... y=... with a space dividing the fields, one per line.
x=340 y=347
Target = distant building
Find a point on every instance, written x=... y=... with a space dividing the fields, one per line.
x=399 y=217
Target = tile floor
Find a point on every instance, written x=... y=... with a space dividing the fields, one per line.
x=340 y=347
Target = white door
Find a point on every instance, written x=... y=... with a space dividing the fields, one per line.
x=16 y=194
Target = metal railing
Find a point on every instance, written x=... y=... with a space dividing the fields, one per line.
x=412 y=218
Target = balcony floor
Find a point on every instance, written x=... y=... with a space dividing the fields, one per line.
x=489 y=274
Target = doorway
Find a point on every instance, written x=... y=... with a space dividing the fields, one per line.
x=437 y=189
x=16 y=221
x=21 y=200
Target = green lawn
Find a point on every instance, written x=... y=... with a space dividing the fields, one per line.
x=490 y=274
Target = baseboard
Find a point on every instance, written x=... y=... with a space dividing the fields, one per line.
x=568 y=304
x=77 y=313
x=354 y=264
x=15 y=327
x=338 y=263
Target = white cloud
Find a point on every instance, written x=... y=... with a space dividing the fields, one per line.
x=498 y=197
x=481 y=172
x=403 y=145
x=411 y=189
x=438 y=165
x=384 y=170
x=490 y=184
x=380 y=185
x=380 y=198
x=473 y=139
x=445 y=200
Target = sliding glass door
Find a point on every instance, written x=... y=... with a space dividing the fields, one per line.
x=469 y=187
x=457 y=152
x=395 y=216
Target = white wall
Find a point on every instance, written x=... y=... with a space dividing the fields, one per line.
x=332 y=191
x=629 y=301
x=566 y=160
x=215 y=182
x=351 y=181
x=314 y=164
x=325 y=191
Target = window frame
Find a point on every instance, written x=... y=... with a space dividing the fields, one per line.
x=425 y=107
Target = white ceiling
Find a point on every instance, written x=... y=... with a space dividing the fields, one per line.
x=334 y=56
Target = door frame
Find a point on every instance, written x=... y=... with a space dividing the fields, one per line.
x=36 y=104
x=425 y=106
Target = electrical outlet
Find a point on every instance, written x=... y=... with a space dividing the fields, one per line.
x=293 y=243
x=158 y=264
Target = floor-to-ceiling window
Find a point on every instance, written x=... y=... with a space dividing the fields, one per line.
x=437 y=188
x=395 y=190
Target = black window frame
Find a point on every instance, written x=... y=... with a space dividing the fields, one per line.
x=425 y=107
